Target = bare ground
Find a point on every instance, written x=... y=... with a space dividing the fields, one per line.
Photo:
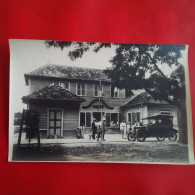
x=149 y=151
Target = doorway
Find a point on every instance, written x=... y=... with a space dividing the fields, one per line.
x=55 y=123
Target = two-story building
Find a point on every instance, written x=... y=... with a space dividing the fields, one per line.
x=68 y=97
x=92 y=96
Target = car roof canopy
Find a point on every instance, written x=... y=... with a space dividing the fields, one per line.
x=159 y=116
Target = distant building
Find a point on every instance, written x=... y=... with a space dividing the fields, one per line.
x=144 y=105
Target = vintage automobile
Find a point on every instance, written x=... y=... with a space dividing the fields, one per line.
x=161 y=128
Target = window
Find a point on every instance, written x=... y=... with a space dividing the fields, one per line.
x=65 y=85
x=97 y=91
x=133 y=117
x=112 y=119
x=85 y=119
x=81 y=89
x=114 y=91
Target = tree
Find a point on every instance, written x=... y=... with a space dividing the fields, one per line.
x=140 y=66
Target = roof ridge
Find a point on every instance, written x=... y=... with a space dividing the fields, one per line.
x=53 y=92
x=63 y=66
x=69 y=72
x=143 y=97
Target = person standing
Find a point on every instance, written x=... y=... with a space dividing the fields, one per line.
x=123 y=129
x=82 y=130
x=128 y=128
x=94 y=128
x=103 y=129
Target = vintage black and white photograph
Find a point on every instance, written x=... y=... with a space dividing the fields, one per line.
x=99 y=102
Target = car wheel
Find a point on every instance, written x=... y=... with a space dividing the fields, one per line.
x=131 y=137
x=141 y=136
x=160 y=138
x=172 y=136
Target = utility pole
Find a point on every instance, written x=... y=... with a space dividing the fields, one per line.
x=142 y=112
x=100 y=96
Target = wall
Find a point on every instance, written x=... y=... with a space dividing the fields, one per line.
x=70 y=118
x=106 y=95
x=36 y=84
x=70 y=115
x=152 y=110
x=143 y=112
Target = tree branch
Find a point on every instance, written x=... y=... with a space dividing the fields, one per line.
x=157 y=68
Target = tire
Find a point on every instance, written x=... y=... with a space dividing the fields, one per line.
x=160 y=138
x=172 y=136
x=131 y=137
x=141 y=136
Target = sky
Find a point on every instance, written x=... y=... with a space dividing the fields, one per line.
x=28 y=55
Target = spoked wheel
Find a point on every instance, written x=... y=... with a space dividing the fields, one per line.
x=131 y=137
x=172 y=136
x=160 y=138
x=141 y=136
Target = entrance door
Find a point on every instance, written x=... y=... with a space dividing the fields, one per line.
x=55 y=123
x=97 y=116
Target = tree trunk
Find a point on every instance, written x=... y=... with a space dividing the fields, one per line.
x=182 y=124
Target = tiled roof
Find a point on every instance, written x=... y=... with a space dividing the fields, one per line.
x=143 y=98
x=53 y=93
x=68 y=72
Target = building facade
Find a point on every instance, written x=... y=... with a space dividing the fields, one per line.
x=102 y=99
x=68 y=97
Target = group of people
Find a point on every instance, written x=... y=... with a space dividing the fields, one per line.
x=98 y=128
x=125 y=128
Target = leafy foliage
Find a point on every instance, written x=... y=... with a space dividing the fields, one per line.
x=79 y=47
x=137 y=66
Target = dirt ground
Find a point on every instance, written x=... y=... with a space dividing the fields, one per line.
x=149 y=151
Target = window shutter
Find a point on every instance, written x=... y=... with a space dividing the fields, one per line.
x=83 y=89
x=129 y=118
x=82 y=119
x=112 y=91
x=133 y=118
x=138 y=116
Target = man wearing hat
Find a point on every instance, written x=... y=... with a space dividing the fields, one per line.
x=103 y=128
x=93 y=128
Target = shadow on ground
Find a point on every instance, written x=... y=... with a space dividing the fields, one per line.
x=165 y=152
